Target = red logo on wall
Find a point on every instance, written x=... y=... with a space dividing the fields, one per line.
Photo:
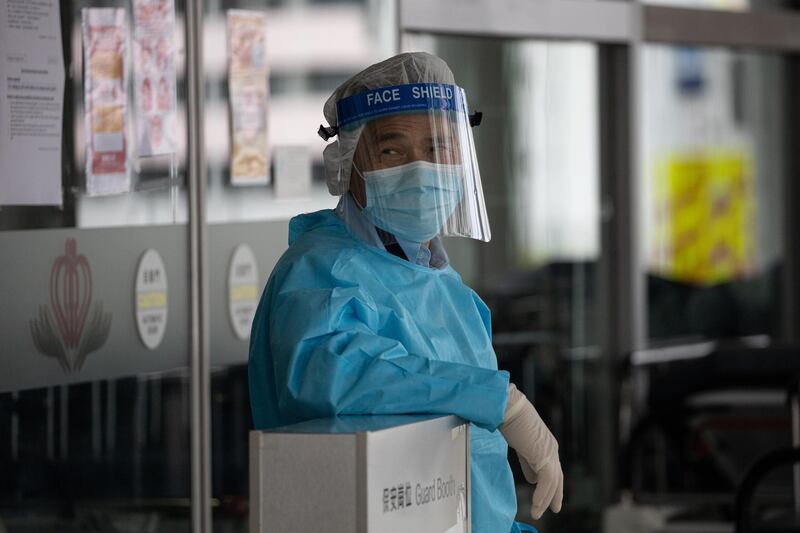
x=73 y=326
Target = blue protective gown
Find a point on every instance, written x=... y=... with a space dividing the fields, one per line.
x=346 y=328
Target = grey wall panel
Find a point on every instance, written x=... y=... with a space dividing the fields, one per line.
x=773 y=29
x=598 y=20
x=112 y=256
x=268 y=241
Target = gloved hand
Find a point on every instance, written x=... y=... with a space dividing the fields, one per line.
x=537 y=449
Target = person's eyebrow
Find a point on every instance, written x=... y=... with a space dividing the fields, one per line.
x=394 y=135
x=390 y=136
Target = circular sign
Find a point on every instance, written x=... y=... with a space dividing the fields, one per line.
x=242 y=290
x=151 y=299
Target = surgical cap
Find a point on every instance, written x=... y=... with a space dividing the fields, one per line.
x=408 y=67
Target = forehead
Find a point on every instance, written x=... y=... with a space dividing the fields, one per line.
x=412 y=125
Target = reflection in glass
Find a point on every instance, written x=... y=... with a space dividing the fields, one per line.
x=303 y=70
x=712 y=167
x=708 y=397
x=104 y=454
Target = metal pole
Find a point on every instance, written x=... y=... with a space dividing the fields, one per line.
x=51 y=425
x=15 y=426
x=621 y=305
x=111 y=419
x=795 y=403
x=790 y=293
x=156 y=408
x=97 y=424
x=63 y=426
x=138 y=435
x=199 y=362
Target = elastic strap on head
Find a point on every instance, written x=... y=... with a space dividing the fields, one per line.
x=331 y=159
x=360 y=175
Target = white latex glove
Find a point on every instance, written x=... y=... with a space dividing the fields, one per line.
x=537 y=449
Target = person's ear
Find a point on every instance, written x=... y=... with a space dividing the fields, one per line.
x=363 y=160
x=357 y=186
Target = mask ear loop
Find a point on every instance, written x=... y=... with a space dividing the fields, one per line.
x=360 y=175
x=388 y=239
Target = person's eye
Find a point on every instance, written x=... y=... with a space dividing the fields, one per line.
x=389 y=151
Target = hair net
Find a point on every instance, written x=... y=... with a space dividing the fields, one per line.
x=408 y=67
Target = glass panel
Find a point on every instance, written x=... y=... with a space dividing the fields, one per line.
x=272 y=109
x=94 y=391
x=709 y=398
x=713 y=167
x=538 y=154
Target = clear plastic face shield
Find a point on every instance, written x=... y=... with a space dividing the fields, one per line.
x=414 y=171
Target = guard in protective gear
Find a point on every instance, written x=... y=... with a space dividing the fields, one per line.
x=363 y=313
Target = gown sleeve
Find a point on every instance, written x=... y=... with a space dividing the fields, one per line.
x=329 y=361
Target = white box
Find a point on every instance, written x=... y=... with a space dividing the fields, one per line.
x=362 y=474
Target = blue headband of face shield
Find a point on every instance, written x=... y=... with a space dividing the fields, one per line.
x=359 y=108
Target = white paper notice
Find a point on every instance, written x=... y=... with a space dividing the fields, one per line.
x=31 y=102
x=154 y=76
x=292 y=171
x=104 y=82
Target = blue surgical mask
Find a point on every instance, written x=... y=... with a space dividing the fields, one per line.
x=412 y=201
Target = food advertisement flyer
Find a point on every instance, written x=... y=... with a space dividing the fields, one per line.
x=104 y=42
x=248 y=90
x=154 y=77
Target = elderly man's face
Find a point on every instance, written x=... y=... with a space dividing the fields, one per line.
x=399 y=139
